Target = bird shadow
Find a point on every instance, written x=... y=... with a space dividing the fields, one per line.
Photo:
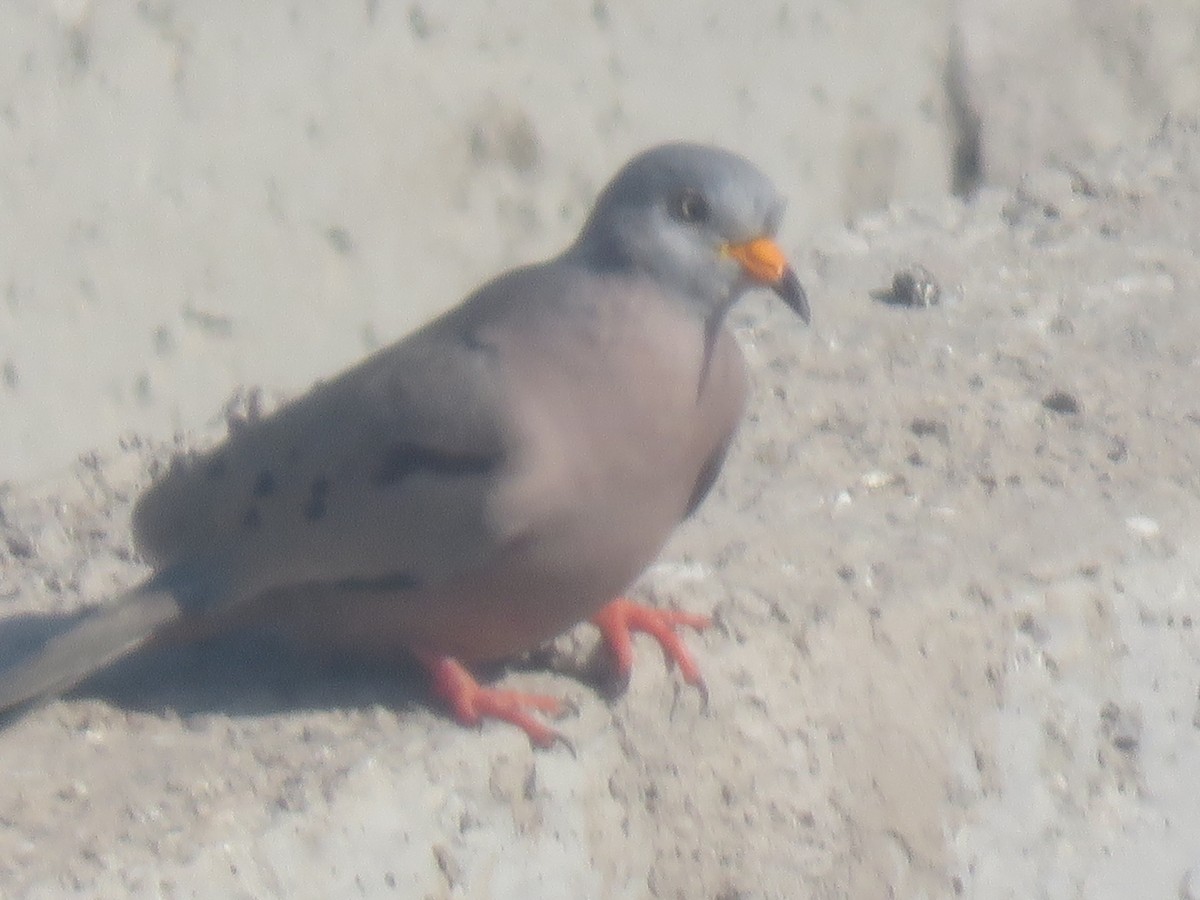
x=250 y=672
x=257 y=672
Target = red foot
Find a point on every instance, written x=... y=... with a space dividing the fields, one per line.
x=620 y=618
x=471 y=702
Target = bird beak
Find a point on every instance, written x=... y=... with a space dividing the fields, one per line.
x=764 y=263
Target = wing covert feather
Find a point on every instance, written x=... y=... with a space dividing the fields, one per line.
x=384 y=472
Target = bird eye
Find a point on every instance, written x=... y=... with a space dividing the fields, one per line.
x=690 y=206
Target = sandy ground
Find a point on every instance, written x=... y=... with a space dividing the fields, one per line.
x=953 y=560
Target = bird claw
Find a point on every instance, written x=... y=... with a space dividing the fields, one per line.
x=470 y=702
x=619 y=619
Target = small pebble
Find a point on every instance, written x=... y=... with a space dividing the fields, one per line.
x=1061 y=402
x=1143 y=526
x=913 y=287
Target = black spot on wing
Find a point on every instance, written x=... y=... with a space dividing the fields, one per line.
x=264 y=484
x=216 y=467
x=405 y=459
x=393 y=581
x=318 y=495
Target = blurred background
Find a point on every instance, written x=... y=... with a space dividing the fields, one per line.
x=195 y=198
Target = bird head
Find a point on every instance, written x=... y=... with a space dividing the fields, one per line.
x=700 y=220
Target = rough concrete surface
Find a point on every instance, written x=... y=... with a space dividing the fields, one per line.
x=200 y=198
x=954 y=559
x=1059 y=80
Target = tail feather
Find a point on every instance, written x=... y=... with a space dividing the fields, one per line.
x=97 y=640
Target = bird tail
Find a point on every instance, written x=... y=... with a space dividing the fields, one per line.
x=99 y=638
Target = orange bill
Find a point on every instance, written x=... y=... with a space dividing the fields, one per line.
x=764 y=263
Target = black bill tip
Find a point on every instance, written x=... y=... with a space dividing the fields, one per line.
x=792 y=293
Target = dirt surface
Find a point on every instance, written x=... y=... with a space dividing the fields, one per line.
x=953 y=563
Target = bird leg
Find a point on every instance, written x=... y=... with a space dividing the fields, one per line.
x=619 y=619
x=471 y=702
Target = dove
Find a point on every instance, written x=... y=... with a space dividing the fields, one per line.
x=487 y=482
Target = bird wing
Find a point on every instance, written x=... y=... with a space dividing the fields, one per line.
x=381 y=477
